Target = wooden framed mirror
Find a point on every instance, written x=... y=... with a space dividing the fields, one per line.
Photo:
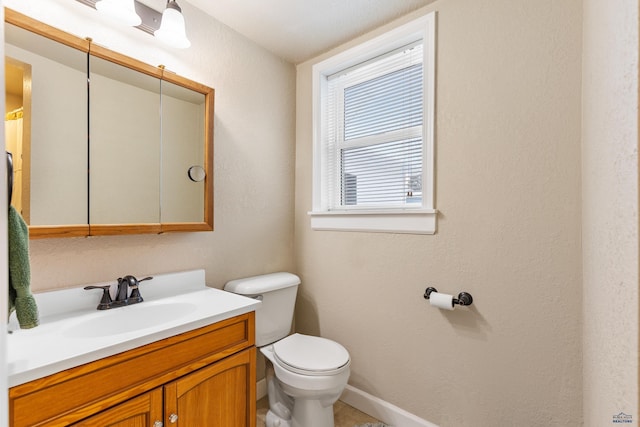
x=111 y=157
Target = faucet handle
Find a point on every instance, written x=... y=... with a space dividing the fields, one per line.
x=135 y=292
x=106 y=300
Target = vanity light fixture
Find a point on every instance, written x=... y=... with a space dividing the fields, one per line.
x=167 y=27
x=172 y=29
x=122 y=10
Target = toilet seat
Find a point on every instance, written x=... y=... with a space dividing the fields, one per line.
x=309 y=355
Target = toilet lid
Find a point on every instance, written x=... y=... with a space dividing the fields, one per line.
x=310 y=355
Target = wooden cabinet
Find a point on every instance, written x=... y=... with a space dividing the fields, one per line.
x=204 y=377
x=142 y=411
x=213 y=396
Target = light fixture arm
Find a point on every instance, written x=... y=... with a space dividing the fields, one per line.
x=173 y=33
x=150 y=18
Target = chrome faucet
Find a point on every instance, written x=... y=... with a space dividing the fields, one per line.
x=122 y=297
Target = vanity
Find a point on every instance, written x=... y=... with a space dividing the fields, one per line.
x=185 y=356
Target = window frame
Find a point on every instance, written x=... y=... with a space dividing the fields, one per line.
x=413 y=220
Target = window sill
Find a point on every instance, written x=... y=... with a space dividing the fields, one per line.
x=418 y=221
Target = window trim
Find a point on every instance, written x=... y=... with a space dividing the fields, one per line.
x=420 y=220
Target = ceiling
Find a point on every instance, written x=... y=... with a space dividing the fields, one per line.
x=297 y=30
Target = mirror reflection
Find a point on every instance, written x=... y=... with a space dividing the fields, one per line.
x=124 y=118
x=45 y=128
x=183 y=127
x=110 y=157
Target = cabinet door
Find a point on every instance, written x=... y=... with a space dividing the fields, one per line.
x=142 y=411
x=218 y=395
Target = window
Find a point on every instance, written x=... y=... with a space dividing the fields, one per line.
x=373 y=134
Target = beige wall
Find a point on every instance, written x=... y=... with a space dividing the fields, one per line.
x=254 y=155
x=508 y=192
x=610 y=210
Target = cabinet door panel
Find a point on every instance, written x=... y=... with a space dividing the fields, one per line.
x=141 y=411
x=219 y=395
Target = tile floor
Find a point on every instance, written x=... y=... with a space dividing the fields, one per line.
x=344 y=415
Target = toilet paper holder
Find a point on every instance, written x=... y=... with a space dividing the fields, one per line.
x=464 y=298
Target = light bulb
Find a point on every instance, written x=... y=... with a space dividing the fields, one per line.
x=122 y=10
x=172 y=28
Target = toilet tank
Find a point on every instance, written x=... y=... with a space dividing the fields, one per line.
x=277 y=291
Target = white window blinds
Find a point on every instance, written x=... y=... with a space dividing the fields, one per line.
x=374 y=146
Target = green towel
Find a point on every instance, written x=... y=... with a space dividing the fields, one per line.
x=20 y=297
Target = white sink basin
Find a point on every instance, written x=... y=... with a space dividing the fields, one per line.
x=121 y=320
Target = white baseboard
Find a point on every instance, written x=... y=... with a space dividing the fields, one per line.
x=382 y=410
x=370 y=405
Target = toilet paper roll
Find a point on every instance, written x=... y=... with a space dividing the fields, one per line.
x=443 y=301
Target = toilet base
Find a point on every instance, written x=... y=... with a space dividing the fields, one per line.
x=311 y=413
x=273 y=420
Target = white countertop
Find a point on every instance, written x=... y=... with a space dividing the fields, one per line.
x=73 y=332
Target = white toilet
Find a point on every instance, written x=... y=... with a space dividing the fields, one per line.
x=310 y=372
